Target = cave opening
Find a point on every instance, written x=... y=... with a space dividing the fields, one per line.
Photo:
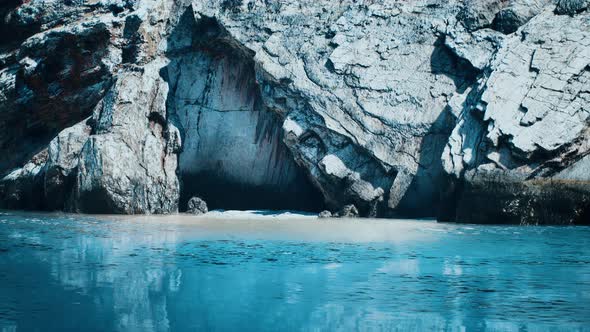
x=233 y=154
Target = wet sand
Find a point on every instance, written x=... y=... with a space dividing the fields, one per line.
x=272 y=225
x=267 y=225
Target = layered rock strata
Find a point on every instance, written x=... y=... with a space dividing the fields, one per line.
x=474 y=111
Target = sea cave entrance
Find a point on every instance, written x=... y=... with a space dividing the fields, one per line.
x=233 y=153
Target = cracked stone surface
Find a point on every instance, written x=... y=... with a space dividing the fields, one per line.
x=384 y=105
x=526 y=120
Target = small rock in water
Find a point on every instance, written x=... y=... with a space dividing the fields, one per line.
x=348 y=211
x=197 y=206
x=325 y=214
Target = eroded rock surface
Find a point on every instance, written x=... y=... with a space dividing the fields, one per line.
x=311 y=103
x=524 y=123
x=233 y=150
x=129 y=164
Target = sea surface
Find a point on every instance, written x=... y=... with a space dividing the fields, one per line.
x=263 y=272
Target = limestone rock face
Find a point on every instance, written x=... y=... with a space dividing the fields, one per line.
x=297 y=104
x=129 y=163
x=525 y=122
x=124 y=158
x=346 y=83
x=62 y=162
x=233 y=153
x=50 y=81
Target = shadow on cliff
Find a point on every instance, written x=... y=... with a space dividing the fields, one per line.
x=210 y=172
x=444 y=62
x=59 y=89
x=424 y=197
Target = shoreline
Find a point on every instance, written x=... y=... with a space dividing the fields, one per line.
x=264 y=225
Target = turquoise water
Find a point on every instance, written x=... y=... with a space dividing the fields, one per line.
x=60 y=272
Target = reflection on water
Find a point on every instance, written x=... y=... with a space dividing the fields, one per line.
x=65 y=272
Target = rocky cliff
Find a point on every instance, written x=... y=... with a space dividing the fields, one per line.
x=472 y=111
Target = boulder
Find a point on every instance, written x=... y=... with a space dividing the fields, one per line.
x=129 y=164
x=571 y=7
x=196 y=206
x=348 y=211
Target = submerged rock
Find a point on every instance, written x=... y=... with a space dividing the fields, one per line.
x=128 y=165
x=325 y=214
x=197 y=206
x=517 y=13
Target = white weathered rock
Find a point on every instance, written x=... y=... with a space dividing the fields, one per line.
x=527 y=120
x=129 y=164
x=62 y=162
x=351 y=100
x=579 y=171
x=476 y=47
